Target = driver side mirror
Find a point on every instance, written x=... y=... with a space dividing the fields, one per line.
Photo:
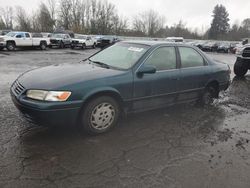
x=146 y=69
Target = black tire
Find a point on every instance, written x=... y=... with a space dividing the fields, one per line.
x=208 y=96
x=240 y=68
x=72 y=47
x=103 y=110
x=11 y=46
x=61 y=45
x=1 y=48
x=84 y=46
x=43 y=45
x=94 y=46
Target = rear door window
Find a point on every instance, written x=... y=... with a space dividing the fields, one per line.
x=190 y=58
x=27 y=35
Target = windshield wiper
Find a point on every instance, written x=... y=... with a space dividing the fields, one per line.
x=100 y=63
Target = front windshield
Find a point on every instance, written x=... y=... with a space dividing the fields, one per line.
x=121 y=55
x=57 y=36
x=11 y=34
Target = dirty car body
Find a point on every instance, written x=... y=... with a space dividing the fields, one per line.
x=156 y=74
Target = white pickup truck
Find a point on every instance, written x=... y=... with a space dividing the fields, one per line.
x=83 y=41
x=22 y=39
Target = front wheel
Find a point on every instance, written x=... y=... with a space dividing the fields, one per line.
x=10 y=46
x=94 y=46
x=208 y=96
x=100 y=115
x=240 y=68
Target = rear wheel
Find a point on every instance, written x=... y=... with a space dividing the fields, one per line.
x=208 y=96
x=240 y=68
x=100 y=115
x=43 y=45
x=10 y=46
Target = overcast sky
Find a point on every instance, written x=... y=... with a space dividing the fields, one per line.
x=195 y=13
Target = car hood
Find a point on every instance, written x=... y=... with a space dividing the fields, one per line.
x=6 y=37
x=79 y=40
x=63 y=75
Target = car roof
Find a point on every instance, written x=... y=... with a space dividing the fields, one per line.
x=154 y=43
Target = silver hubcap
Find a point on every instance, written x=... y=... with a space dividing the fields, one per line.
x=102 y=116
x=11 y=47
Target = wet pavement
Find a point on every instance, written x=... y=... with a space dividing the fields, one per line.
x=179 y=147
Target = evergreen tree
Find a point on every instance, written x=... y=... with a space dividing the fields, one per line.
x=219 y=25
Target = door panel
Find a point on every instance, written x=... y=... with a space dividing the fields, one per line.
x=194 y=74
x=192 y=82
x=158 y=89
x=27 y=40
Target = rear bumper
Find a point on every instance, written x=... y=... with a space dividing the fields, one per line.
x=41 y=115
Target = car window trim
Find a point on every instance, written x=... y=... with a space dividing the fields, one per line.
x=161 y=46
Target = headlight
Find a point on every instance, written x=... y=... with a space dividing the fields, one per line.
x=48 y=95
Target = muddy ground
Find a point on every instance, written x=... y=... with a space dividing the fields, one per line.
x=178 y=147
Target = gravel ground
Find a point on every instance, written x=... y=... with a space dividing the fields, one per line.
x=178 y=147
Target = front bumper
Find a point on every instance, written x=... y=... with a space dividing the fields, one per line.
x=47 y=113
x=77 y=44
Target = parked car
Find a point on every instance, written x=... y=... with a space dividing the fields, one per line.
x=21 y=39
x=234 y=46
x=174 y=39
x=124 y=78
x=98 y=39
x=83 y=41
x=60 y=40
x=46 y=35
x=199 y=44
x=224 y=47
x=4 y=32
x=242 y=64
x=108 y=40
x=209 y=46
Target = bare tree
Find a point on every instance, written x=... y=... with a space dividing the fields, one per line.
x=7 y=17
x=149 y=23
x=65 y=13
x=23 y=21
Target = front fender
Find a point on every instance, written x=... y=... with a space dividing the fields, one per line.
x=100 y=90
